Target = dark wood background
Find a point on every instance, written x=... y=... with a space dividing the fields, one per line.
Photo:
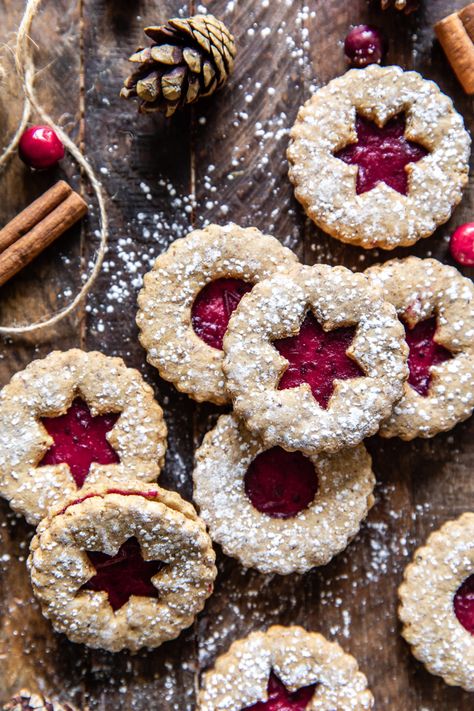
x=223 y=160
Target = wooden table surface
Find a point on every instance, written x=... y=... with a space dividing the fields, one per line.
x=224 y=160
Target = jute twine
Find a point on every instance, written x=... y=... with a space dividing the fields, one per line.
x=25 y=67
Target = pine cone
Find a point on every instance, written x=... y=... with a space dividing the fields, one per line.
x=27 y=701
x=189 y=59
x=406 y=5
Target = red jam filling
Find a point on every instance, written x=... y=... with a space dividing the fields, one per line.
x=79 y=440
x=213 y=307
x=124 y=574
x=424 y=354
x=464 y=604
x=382 y=154
x=317 y=357
x=280 y=484
x=280 y=699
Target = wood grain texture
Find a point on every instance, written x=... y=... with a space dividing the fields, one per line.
x=222 y=160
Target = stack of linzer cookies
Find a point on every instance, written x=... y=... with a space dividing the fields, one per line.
x=313 y=360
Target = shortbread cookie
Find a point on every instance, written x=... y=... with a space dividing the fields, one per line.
x=279 y=511
x=436 y=305
x=379 y=157
x=314 y=360
x=437 y=603
x=189 y=296
x=64 y=417
x=122 y=568
x=285 y=668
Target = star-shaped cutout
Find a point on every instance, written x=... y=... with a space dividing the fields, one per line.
x=317 y=357
x=124 y=574
x=382 y=154
x=281 y=699
x=424 y=353
x=79 y=440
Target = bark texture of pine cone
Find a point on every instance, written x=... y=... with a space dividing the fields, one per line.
x=28 y=701
x=188 y=60
x=406 y=5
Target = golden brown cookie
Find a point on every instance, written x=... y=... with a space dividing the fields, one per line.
x=71 y=418
x=379 y=157
x=436 y=305
x=278 y=511
x=314 y=360
x=188 y=297
x=285 y=667
x=437 y=603
x=122 y=568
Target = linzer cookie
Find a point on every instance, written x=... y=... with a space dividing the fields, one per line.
x=122 y=568
x=436 y=305
x=278 y=511
x=284 y=668
x=75 y=418
x=189 y=296
x=314 y=360
x=437 y=603
x=379 y=157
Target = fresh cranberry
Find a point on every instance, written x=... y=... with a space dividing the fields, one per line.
x=317 y=357
x=382 y=154
x=213 y=307
x=40 y=147
x=281 y=699
x=424 y=353
x=464 y=604
x=365 y=45
x=281 y=484
x=462 y=244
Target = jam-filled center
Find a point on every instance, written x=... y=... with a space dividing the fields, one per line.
x=464 y=604
x=80 y=440
x=280 y=484
x=317 y=357
x=281 y=699
x=124 y=574
x=424 y=353
x=213 y=307
x=382 y=154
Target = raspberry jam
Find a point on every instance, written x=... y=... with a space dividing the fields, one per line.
x=365 y=45
x=464 y=604
x=280 y=699
x=213 y=307
x=382 y=154
x=280 y=484
x=317 y=357
x=424 y=354
x=79 y=440
x=124 y=574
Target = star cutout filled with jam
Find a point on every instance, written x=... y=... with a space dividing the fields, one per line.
x=464 y=604
x=281 y=699
x=79 y=440
x=124 y=574
x=424 y=353
x=382 y=154
x=317 y=357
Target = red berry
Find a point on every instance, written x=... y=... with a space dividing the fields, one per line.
x=462 y=244
x=40 y=147
x=365 y=45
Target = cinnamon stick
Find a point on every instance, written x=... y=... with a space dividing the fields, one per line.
x=51 y=224
x=456 y=35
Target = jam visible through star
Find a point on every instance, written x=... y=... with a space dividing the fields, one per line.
x=464 y=604
x=280 y=484
x=213 y=307
x=382 y=154
x=281 y=699
x=424 y=354
x=79 y=440
x=317 y=357
x=124 y=574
